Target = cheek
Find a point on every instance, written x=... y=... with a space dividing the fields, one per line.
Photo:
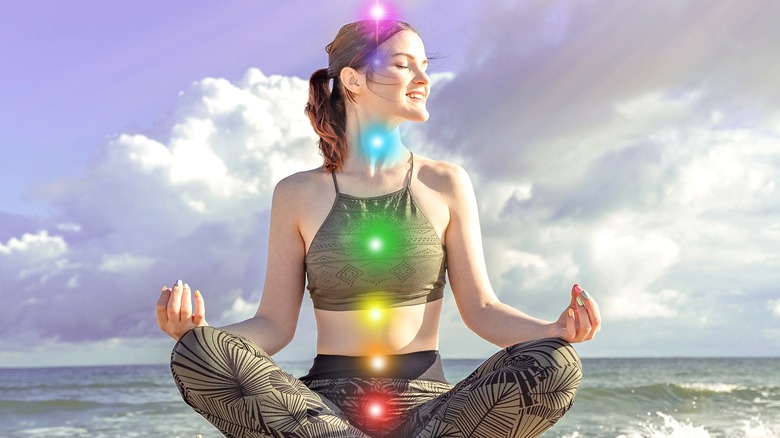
x=390 y=76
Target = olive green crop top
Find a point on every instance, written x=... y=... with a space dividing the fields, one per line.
x=375 y=252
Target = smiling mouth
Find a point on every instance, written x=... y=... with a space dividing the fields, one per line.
x=417 y=97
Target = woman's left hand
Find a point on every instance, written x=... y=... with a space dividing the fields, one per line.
x=581 y=320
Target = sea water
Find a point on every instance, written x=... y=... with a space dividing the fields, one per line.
x=626 y=398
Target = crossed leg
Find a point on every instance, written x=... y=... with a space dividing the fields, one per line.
x=521 y=391
x=239 y=389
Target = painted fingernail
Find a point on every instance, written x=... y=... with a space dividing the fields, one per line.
x=164 y=287
x=179 y=283
x=579 y=301
x=577 y=288
x=197 y=293
x=585 y=294
x=186 y=286
x=571 y=312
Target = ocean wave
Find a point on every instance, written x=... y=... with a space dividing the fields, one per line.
x=38 y=407
x=674 y=428
x=678 y=392
x=25 y=386
x=60 y=431
x=712 y=387
x=666 y=426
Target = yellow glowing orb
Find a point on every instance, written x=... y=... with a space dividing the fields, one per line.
x=375 y=314
x=378 y=362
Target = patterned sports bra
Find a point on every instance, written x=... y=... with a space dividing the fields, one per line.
x=375 y=252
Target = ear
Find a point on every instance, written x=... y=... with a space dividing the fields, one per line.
x=353 y=80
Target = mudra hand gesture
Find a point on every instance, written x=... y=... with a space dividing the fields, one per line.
x=175 y=315
x=581 y=320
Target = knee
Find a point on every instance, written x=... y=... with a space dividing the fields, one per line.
x=548 y=352
x=208 y=357
x=557 y=363
x=210 y=351
x=210 y=343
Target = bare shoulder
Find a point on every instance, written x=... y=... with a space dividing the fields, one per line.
x=295 y=192
x=448 y=179
x=302 y=183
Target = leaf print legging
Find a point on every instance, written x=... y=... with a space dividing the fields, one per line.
x=521 y=391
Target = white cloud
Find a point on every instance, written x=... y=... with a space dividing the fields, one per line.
x=194 y=206
x=240 y=310
x=39 y=245
x=774 y=306
x=124 y=262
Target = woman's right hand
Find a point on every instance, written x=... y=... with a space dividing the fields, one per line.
x=174 y=310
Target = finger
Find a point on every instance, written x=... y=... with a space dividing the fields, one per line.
x=174 y=304
x=199 y=317
x=162 y=306
x=575 y=292
x=571 y=324
x=594 y=313
x=186 y=304
x=584 y=328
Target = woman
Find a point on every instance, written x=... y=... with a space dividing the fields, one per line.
x=375 y=258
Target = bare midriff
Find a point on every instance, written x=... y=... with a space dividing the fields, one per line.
x=395 y=330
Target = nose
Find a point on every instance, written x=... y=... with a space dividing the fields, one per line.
x=421 y=77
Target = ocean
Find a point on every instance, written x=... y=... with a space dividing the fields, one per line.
x=626 y=398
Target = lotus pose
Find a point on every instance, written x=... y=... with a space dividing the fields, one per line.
x=375 y=231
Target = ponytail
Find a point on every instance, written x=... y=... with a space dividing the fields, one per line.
x=327 y=114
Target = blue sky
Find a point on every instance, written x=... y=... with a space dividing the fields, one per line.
x=633 y=148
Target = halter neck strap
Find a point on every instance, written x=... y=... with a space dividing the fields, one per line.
x=408 y=184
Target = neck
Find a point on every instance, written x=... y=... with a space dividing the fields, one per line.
x=374 y=146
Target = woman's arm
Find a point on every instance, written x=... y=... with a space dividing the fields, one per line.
x=273 y=326
x=480 y=308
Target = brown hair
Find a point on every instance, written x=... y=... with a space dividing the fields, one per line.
x=354 y=46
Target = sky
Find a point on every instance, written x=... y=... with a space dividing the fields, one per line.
x=630 y=147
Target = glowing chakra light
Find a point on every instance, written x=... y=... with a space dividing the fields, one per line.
x=375 y=314
x=375 y=409
x=378 y=363
x=377 y=12
x=378 y=144
x=375 y=244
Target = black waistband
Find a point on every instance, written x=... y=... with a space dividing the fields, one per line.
x=420 y=365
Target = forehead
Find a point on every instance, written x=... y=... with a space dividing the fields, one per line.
x=404 y=42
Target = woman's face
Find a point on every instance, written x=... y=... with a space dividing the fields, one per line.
x=399 y=87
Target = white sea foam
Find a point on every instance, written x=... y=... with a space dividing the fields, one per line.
x=712 y=387
x=62 y=431
x=674 y=428
x=755 y=428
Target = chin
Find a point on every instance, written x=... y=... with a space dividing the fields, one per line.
x=421 y=116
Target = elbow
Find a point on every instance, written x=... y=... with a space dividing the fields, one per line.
x=477 y=316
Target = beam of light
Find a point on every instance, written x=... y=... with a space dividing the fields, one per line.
x=377 y=12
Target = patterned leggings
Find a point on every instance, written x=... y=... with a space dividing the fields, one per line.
x=521 y=391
